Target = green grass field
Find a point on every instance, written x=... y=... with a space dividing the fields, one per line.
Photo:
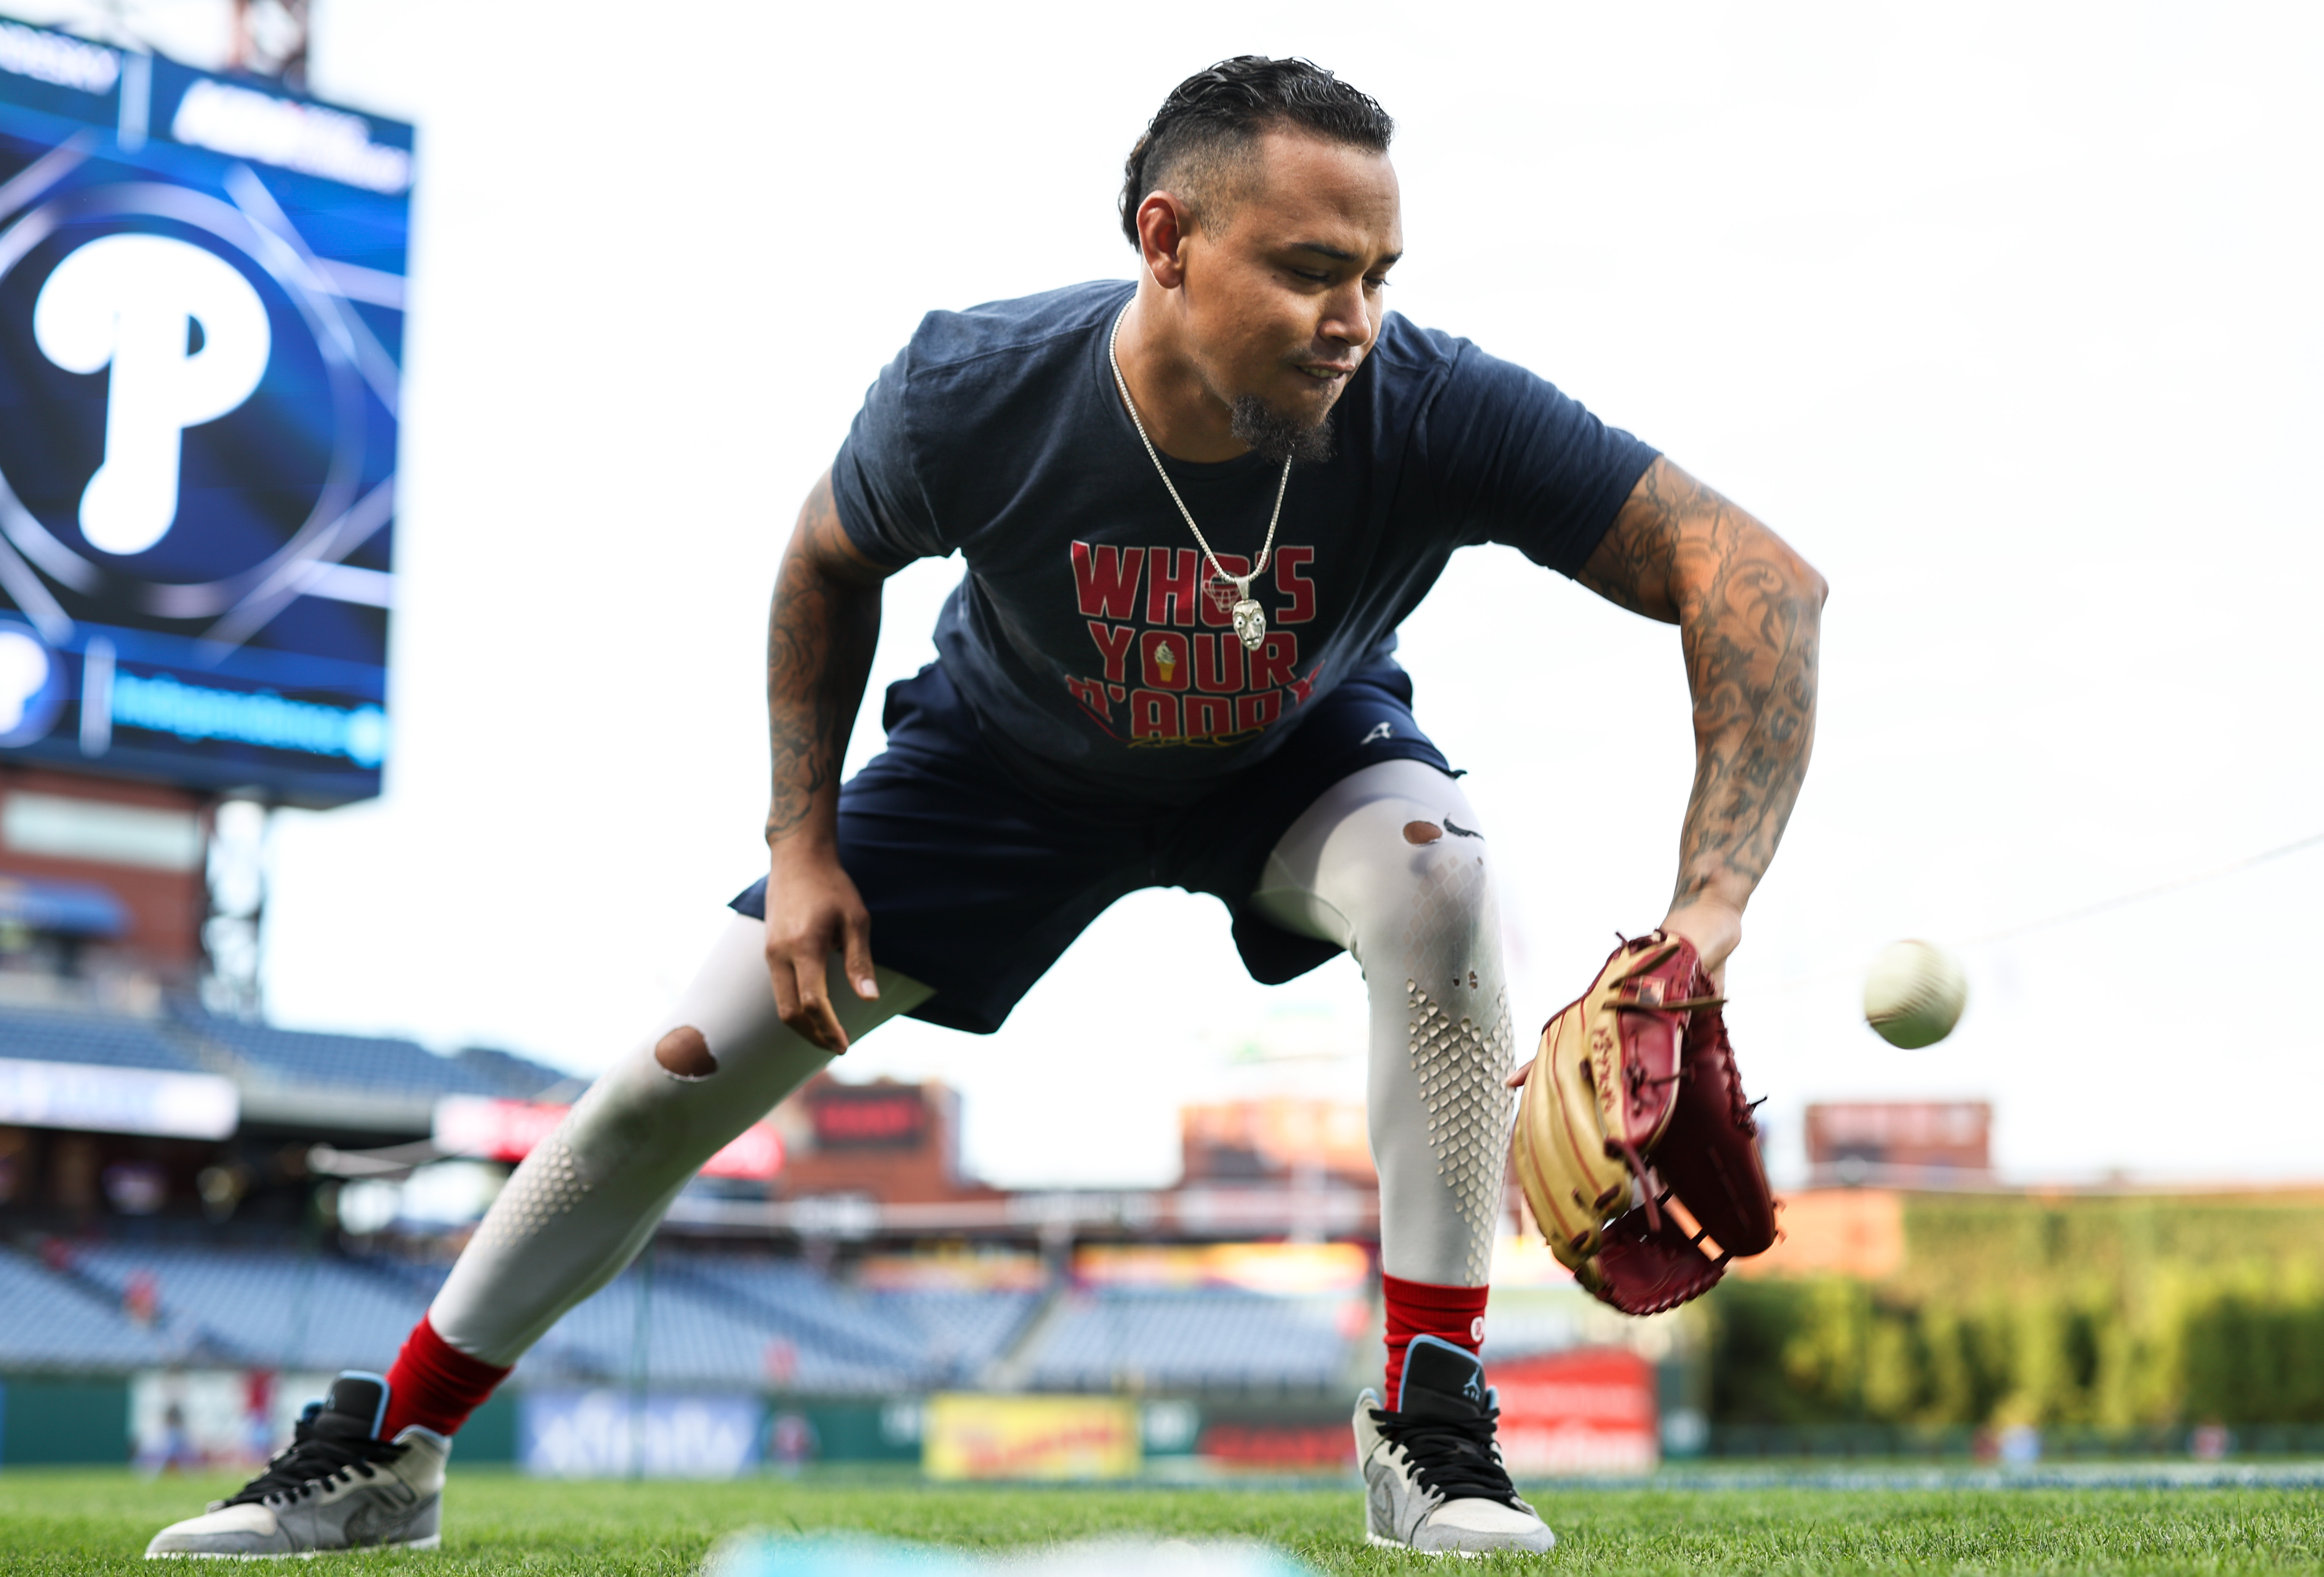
x=58 y=1521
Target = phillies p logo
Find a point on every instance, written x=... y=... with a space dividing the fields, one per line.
x=187 y=339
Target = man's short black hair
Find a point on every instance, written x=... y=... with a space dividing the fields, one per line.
x=1215 y=116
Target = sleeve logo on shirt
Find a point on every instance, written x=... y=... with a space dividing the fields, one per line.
x=1169 y=668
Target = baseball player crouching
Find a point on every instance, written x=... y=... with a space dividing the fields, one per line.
x=1193 y=511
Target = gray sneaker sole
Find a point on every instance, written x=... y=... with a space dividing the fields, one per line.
x=1386 y=1543
x=432 y=1541
x=1383 y=1542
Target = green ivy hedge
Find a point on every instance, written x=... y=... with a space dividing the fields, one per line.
x=2112 y=1313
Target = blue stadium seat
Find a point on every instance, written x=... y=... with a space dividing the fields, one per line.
x=105 y=1040
x=372 y=1064
x=1192 y=1339
x=47 y=1323
x=834 y=1330
x=512 y=1076
x=718 y=1321
x=962 y=1332
x=1523 y=1324
x=695 y=1342
x=274 y=1308
x=190 y=1041
x=714 y=1321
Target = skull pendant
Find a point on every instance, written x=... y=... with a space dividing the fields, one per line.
x=1250 y=623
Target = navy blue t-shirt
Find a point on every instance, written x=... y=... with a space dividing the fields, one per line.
x=1084 y=636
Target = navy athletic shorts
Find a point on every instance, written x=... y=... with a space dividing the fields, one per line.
x=976 y=884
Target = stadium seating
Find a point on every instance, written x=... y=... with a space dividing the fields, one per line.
x=510 y=1076
x=354 y=1062
x=712 y=1321
x=840 y=1339
x=191 y=1040
x=269 y=1308
x=105 y=1040
x=698 y=1342
x=1522 y=1325
x=1171 y=1340
x=961 y=1332
x=48 y=1323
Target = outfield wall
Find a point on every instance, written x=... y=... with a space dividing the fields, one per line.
x=56 y=1420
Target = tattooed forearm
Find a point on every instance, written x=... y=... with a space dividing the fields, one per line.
x=820 y=636
x=1747 y=609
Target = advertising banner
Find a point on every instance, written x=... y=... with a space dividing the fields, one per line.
x=506 y=1131
x=972 y=1436
x=85 y=1095
x=1284 y=1269
x=1279 y=1441
x=1590 y=1410
x=201 y=322
x=613 y=1434
x=958 y=1269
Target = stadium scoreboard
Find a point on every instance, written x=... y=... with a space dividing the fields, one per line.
x=201 y=317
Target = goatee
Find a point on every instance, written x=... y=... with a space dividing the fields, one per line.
x=1277 y=437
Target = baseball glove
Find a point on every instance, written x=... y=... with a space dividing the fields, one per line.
x=1635 y=1082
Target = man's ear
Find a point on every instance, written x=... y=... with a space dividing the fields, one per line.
x=1164 y=224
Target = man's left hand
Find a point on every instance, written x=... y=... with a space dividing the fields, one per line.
x=1715 y=926
x=1712 y=925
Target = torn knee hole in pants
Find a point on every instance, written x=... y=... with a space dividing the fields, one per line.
x=684 y=1053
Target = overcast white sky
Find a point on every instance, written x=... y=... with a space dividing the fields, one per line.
x=2005 y=315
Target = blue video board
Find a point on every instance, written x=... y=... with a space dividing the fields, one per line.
x=202 y=326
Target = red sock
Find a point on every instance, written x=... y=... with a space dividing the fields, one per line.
x=1420 y=1308
x=434 y=1384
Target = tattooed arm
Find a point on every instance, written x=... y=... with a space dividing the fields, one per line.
x=820 y=635
x=1747 y=610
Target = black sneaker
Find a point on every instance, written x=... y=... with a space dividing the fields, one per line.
x=1433 y=1474
x=337 y=1486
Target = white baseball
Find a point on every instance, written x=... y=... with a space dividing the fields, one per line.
x=1914 y=993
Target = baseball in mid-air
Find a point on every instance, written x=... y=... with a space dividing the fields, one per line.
x=1914 y=993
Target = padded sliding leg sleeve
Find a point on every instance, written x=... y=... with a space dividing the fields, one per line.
x=1389 y=862
x=589 y=1195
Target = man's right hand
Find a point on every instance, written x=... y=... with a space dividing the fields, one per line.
x=813 y=910
x=821 y=633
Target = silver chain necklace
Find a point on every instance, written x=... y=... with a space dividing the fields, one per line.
x=1249 y=618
